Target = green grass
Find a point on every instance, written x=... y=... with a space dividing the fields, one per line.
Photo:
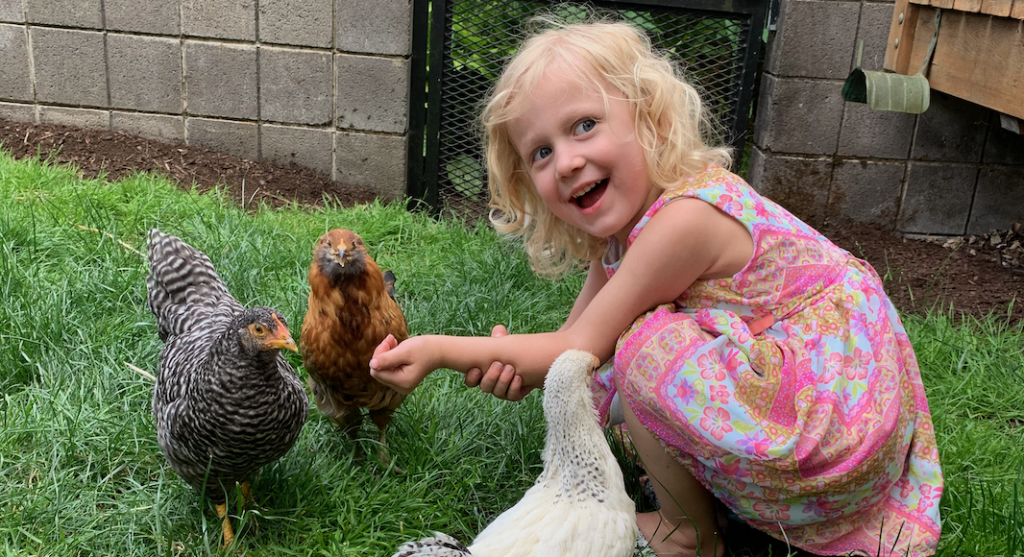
x=80 y=470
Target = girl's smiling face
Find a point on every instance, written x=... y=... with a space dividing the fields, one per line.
x=581 y=151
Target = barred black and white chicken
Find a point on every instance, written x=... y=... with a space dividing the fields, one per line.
x=578 y=507
x=226 y=401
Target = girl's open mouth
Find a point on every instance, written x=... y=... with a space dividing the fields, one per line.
x=587 y=198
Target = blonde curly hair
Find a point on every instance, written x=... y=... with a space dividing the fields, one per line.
x=672 y=125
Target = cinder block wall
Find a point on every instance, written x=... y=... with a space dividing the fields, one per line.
x=320 y=83
x=949 y=171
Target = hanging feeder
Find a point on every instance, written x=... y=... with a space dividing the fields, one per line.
x=892 y=91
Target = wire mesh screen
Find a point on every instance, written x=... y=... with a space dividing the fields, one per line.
x=715 y=46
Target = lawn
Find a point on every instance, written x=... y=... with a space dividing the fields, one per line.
x=81 y=471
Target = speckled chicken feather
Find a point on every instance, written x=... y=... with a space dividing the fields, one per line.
x=578 y=506
x=183 y=287
x=221 y=413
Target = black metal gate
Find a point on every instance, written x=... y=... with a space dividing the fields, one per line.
x=460 y=46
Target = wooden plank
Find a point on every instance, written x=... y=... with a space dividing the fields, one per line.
x=944 y=4
x=926 y=2
x=972 y=6
x=901 y=32
x=1001 y=8
x=1018 y=9
x=979 y=58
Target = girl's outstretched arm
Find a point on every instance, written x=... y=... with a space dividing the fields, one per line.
x=685 y=241
x=501 y=380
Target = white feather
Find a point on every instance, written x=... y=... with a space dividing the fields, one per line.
x=578 y=507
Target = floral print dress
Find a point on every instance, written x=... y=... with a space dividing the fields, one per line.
x=790 y=390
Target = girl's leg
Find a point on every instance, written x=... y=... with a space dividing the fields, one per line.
x=687 y=522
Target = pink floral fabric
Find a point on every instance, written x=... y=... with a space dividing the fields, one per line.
x=790 y=390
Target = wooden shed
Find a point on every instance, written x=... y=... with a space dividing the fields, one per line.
x=978 y=55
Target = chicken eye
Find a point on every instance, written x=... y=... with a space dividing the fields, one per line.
x=259 y=330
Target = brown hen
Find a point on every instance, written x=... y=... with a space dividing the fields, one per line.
x=351 y=310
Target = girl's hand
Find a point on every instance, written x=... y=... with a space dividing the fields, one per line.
x=500 y=380
x=402 y=366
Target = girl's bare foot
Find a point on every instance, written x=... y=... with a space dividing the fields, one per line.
x=669 y=540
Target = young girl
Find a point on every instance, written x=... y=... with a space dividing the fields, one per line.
x=756 y=362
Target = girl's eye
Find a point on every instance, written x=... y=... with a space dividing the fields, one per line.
x=584 y=126
x=541 y=154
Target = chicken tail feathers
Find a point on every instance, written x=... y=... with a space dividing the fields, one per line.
x=440 y=545
x=182 y=286
x=389 y=283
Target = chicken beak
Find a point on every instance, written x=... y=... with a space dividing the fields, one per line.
x=283 y=339
x=341 y=256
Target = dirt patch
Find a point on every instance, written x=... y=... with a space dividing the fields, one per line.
x=117 y=154
x=975 y=275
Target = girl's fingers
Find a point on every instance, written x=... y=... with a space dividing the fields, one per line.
x=499 y=331
x=473 y=377
x=515 y=389
x=490 y=379
x=508 y=373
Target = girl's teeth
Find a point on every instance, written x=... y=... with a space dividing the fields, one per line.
x=585 y=191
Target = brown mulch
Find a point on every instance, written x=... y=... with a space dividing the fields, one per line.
x=974 y=275
x=116 y=155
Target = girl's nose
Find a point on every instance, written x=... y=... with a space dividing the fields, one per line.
x=568 y=163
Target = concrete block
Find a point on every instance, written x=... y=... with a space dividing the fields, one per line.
x=70 y=13
x=372 y=93
x=938 y=198
x=220 y=80
x=234 y=138
x=220 y=19
x=161 y=127
x=18 y=112
x=377 y=162
x=15 y=75
x=70 y=66
x=762 y=122
x=998 y=200
x=800 y=116
x=297 y=22
x=296 y=86
x=814 y=39
x=78 y=117
x=1003 y=146
x=144 y=73
x=874 y=31
x=12 y=11
x=156 y=17
x=875 y=133
x=305 y=147
x=800 y=184
x=374 y=26
x=866 y=191
x=951 y=130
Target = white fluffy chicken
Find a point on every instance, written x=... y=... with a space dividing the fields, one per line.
x=578 y=507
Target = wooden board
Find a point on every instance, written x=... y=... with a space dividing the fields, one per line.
x=979 y=58
x=901 y=33
x=972 y=6
x=1001 y=8
x=1018 y=9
